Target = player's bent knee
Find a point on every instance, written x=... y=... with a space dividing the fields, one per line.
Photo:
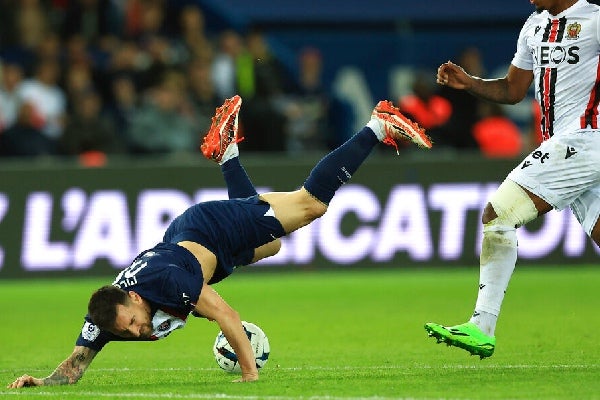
x=315 y=210
x=509 y=208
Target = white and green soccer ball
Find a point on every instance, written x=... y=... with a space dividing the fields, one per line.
x=226 y=357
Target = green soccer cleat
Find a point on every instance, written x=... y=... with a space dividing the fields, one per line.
x=467 y=336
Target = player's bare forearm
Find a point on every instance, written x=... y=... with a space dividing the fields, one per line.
x=67 y=372
x=72 y=369
x=495 y=90
x=64 y=374
x=213 y=307
x=510 y=89
x=234 y=332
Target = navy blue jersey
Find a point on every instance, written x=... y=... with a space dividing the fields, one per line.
x=169 y=277
x=230 y=229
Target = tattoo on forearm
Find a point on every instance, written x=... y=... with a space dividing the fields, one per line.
x=69 y=371
x=80 y=357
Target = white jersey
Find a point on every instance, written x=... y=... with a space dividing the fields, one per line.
x=563 y=51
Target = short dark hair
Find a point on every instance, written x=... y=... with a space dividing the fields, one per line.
x=102 y=306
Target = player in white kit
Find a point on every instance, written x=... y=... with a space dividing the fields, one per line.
x=558 y=50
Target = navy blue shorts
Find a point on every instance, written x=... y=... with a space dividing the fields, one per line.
x=230 y=229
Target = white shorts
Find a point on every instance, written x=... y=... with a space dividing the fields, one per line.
x=565 y=171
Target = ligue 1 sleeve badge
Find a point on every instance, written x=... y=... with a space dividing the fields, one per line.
x=90 y=331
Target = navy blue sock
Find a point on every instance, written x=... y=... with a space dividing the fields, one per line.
x=237 y=180
x=337 y=167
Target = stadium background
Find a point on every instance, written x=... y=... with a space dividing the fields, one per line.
x=59 y=216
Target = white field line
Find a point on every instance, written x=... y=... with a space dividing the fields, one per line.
x=343 y=368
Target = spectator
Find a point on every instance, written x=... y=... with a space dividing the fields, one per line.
x=8 y=16
x=202 y=94
x=127 y=58
x=12 y=75
x=144 y=18
x=78 y=79
x=496 y=134
x=308 y=124
x=78 y=51
x=32 y=24
x=89 y=19
x=87 y=130
x=26 y=26
x=427 y=108
x=263 y=82
x=50 y=47
x=124 y=103
x=148 y=31
x=46 y=97
x=160 y=59
x=192 y=43
x=269 y=78
x=457 y=132
x=423 y=105
x=163 y=124
x=24 y=138
x=223 y=70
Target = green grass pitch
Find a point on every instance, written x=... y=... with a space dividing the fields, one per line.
x=334 y=335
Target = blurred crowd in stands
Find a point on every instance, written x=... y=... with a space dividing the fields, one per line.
x=91 y=78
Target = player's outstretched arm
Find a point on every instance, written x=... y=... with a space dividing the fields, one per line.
x=213 y=307
x=510 y=89
x=67 y=372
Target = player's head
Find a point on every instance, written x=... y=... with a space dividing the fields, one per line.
x=125 y=314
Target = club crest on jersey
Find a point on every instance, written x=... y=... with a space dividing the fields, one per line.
x=573 y=30
x=165 y=326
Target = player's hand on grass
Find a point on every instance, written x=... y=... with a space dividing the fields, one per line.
x=249 y=377
x=24 y=381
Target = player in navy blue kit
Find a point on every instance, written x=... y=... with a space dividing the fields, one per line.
x=163 y=285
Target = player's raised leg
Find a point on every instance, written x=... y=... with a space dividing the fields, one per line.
x=220 y=145
x=387 y=125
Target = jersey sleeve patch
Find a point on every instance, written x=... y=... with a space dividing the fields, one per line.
x=90 y=331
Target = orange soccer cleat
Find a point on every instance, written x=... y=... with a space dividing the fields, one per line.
x=398 y=127
x=223 y=131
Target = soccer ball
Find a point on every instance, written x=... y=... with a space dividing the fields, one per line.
x=228 y=360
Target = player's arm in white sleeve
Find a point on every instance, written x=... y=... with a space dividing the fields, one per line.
x=67 y=372
x=213 y=307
